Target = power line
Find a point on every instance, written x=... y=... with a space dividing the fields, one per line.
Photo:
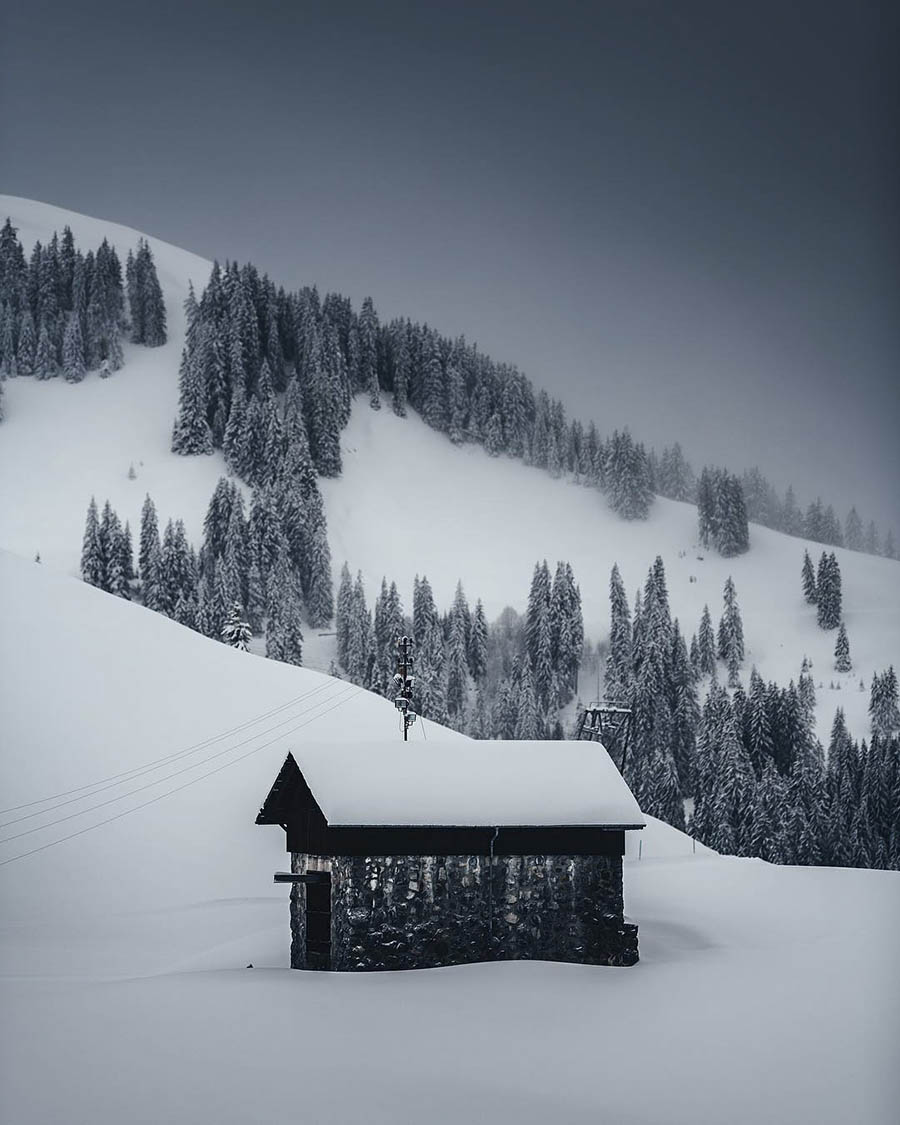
x=149 y=784
x=177 y=789
x=136 y=770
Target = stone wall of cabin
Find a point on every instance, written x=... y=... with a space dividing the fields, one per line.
x=561 y=908
x=403 y=912
x=409 y=912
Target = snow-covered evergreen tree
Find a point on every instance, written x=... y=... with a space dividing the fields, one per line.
x=149 y=536
x=457 y=669
x=27 y=346
x=145 y=300
x=626 y=475
x=92 y=570
x=883 y=704
x=191 y=433
x=368 y=353
x=706 y=644
x=731 y=634
x=236 y=631
x=842 y=662
x=853 y=531
x=828 y=590
x=45 y=358
x=618 y=679
x=73 y=352
x=478 y=643
x=808 y=578
x=527 y=715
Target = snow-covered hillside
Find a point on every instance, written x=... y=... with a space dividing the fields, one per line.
x=407 y=502
x=763 y=994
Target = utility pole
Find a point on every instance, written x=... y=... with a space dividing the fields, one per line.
x=403 y=682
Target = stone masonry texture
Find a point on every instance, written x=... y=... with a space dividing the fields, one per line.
x=404 y=912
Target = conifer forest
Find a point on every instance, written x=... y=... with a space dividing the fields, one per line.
x=268 y=377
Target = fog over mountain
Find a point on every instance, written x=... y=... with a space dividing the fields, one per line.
x=681 y=218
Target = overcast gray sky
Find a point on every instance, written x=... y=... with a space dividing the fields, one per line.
x=681 y=217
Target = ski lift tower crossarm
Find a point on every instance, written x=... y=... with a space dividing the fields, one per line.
x=609 y=722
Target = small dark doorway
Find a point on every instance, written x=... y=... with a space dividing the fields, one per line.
x=318 y=922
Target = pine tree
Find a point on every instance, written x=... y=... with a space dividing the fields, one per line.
x=853 y=531
x=791 y=519
x=113 y=549
x=185 y=612
x=457 y=668
x=256 y=599
x=328 y=378
x=479 y=725
x=236 y=439
x=284 y=636
x=401 y=368
x=734 y=538
x=149 y=537
x=359 y=640
x=627 y=476
x=478 y=641
x=527 y=718
x=733 y=799
x=685 y=711
x=567 y=630
x=433 y=403
x=706 y=643
x=617 y=684
x=152 y=593
x=316 y=576
x=706 y=509
x=456 y=400
x=425 y=617
x=368 y=353
x=73 y=352
x=45 y=359
x=27 y=347
x=883 y=708
x=809 y=580
x=191 y=433
x=236 y=631
x=342 y=619
x=842 y=661
x=92 y=570
x=758 y=725
x=493 y=438
x=731 y=634
x=722 y=512
x=828 y=586
x=663 y=797
x=145 y=299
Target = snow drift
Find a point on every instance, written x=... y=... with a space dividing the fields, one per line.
x=763 y=993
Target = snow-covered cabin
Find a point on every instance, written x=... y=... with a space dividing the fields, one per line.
x=414 y=854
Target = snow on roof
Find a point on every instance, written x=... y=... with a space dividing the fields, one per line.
x=467 y=783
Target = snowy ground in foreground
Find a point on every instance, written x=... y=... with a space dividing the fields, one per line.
x=763 y=993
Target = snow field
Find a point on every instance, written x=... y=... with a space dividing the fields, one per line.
x=505 y=515
x=763 y=993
